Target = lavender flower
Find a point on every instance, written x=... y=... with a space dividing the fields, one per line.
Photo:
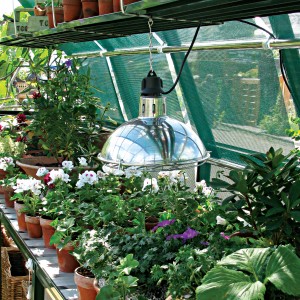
x=187 y=235
x=68 y=63
x=163 y=224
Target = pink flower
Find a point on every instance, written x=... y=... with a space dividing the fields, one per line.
x=226 y=237
x=21 y=118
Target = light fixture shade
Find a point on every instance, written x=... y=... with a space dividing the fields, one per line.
x=154 y=142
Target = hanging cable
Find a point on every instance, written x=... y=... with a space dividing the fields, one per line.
x=184 y=60
x=150 y=23
x=281 y=63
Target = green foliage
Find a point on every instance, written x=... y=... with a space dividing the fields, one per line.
x=245 y=274
x=267 y=195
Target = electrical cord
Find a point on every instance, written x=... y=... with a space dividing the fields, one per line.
x=184 y=60
x=281 y=61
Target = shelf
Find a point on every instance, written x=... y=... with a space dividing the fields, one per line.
x=167 y=15
x=58 y=285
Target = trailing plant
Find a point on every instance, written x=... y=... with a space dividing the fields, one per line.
x=250 y=274
x=266 y=195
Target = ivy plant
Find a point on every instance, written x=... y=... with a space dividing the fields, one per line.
x=246 y=274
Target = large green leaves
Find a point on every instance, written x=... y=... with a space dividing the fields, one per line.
x=280 y=266
x=221 y=283
x=283 y=271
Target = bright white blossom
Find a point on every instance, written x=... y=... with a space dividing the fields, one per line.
x=68 y=165
x=133 y=171
x=100 y=174
x=88 y=177
x=5 y=162
x=207 y=191
x=42 y=172
x=58 y=175
x=200 y=185
x=221 y=221
x=245 y=223
x=177 y=176
x=82 y=161
x=151 y=182
x=25 y=185
x=113 y=171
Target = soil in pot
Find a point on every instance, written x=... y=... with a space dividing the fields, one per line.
x=59 y=15
x=90 y=8
x=66 y=262
x=117 y=6
x=47 y=230
x=19 y=205
x=72 y=10
x=105 y=7
x=34 y=228
x=84 y=280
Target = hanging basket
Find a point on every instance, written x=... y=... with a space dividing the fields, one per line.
x=14 y=273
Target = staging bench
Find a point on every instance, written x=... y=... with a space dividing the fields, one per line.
x=48 y=282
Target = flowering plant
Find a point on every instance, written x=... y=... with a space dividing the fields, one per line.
x=29 y=191
x=66 y=94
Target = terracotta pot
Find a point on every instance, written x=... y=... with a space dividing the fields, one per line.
x=72 y=10
x=39 y=11
x=66 y=261
x=117 y=6
x=96 y=286
x=48 y=231
x=19 y=205
x=90 y=8
x=8 y=192
x=2 y=174
x=31 y=164
x=34 y=228
x=59 y=15
x=105 y=7
x=85 y=285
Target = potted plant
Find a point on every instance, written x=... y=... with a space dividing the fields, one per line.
x=68 y=95
x=72 y=10
x=90 y=8
x=56 y=16
x=29 y=191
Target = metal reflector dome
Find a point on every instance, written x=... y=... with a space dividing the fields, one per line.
x=153 y=140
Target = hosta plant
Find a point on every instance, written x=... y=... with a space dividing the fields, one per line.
x=250 y=274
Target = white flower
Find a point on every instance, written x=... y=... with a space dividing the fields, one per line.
x=42 y=172
x=221 y=221
x=207 y=191
x=200 y=185
x=5 y=162
x=82 y=161
x=133 y=171
x=164 y=174
x=31 y=184
x=177 y=176
x=113 y=171
x=68 y=165
x=245 y=223
x=151 y=182
x=58 y=175
x=88 y=177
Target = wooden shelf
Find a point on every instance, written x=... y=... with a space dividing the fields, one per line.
x=167 y=15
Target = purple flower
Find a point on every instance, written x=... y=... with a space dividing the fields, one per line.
x=68 y=63
x=226 y=237
x=204 y=243
x=163 y=224
x=187 y=235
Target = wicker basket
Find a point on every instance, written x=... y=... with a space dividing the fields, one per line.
x=14 y=273
x=5 y=240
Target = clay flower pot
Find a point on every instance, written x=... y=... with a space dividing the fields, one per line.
x=39 y=11
x=48 y=231
x=96 y=286
x=85 y=284
x=59 y=15
x=34 y=228
x=7 y=192
x=66 y=261
x=19 y=205
x=117 y=6
x=2 y=174
x=90 y=8
x=105 y=7
x=72 y=10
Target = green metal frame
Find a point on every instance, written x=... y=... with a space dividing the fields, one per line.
x=40 y=279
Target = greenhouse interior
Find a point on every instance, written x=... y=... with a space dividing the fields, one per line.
x=150 y=149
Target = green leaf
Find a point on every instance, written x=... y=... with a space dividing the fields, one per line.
x=223 y=284
x=108 y=292
x=295 y=191
x=129 y=281
x=283 y=270
x=251 y=260
x=274 y=211
x=296 y=215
